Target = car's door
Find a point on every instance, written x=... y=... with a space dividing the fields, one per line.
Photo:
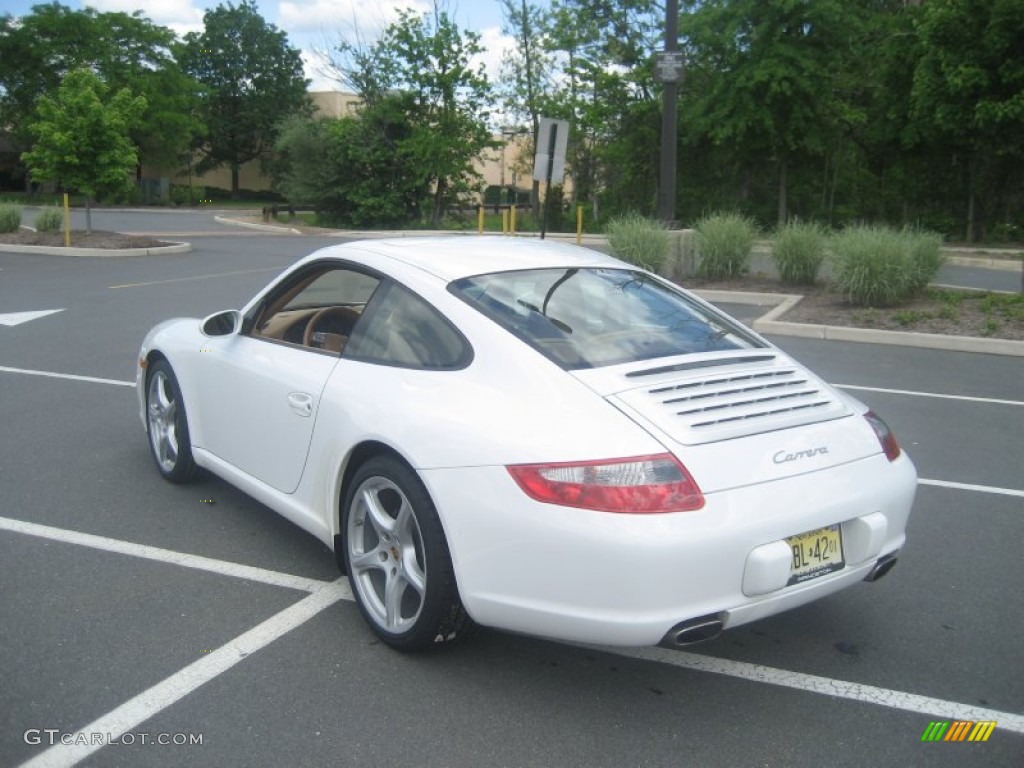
x=258 y=392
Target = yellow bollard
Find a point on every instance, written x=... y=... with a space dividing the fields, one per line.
x=579 y=225
x=512 y=227
x=480 y=220
x=67 y=222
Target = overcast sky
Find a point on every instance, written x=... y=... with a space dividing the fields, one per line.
x=311 y=25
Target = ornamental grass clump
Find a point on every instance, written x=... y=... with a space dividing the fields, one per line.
x=50 y=219
x=724 y=242
x=10 y=217
x=798 y=249
x=878 y=267
x=926 y=256
x=638 y=240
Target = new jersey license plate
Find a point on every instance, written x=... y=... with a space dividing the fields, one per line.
x=815 y=553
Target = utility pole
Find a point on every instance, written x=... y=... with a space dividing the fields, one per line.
x=669 y=69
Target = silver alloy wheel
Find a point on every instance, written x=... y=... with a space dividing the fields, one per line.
x=387 y=566
x=162 y=410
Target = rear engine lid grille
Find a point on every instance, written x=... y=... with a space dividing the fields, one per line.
x=732 y=401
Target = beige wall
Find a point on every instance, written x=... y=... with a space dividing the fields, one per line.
x=516 y=159
x=334 y=103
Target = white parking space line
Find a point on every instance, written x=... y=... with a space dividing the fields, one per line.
x=197 y=277
x=220 y=567
x=325 y=594
x=11 y=319
x=174 y=688
x=869 y=694
x=971 y=487
x=939 y=395
x=71 y=376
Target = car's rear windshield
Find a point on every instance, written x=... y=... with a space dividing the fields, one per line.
x=586 y=318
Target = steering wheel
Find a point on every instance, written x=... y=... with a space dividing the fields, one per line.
x=345 y=316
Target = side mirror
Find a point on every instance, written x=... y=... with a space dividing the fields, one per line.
x=226 y=323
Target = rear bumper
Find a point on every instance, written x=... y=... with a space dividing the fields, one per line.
x=628 y=579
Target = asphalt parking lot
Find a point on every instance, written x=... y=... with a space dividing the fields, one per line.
x=151 y=624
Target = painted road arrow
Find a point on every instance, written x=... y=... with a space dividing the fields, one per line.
x=17 y=318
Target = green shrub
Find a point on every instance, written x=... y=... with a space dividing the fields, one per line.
x=183 y=194
x=10 y=217
x=875 y=266
x=724 y=241
x=798 y=249
x=638 y=240
x=50 y=219
x=926 y=256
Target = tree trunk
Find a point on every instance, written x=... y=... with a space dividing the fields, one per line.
x=88 y=213
x=970 y=200
x=439 y=193
x=783 y=212
x=832 y=191
x=234 y=182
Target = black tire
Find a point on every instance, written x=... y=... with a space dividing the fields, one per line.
x=397 y=558
x=167 y=425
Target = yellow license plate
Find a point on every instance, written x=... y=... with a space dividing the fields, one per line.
x=815 y=553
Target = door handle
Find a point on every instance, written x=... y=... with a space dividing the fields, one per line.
x=301 y=403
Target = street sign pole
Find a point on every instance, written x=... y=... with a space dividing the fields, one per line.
x=670 y=70
x=547 y=184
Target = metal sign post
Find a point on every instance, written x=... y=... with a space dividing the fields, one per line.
x=669 y=70
x=549 y=165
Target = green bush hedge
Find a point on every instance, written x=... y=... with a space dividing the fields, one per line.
x=877 y=266
x=724 y=241
x=50 y=219
x=638 y=240
x=798 y=249
x=10 y=217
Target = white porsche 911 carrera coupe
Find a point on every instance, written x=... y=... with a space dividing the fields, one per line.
x=529 y=436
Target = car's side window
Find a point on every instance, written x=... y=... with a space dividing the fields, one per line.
x=318 y=308
x=404 y=330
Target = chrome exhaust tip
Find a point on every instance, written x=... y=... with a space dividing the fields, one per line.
x=882 y=567
x=693 y=631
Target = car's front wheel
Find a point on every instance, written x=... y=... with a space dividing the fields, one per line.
x=167 y=425
x=397 y=558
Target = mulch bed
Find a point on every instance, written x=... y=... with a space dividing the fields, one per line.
x=81 y=239
x=957 y=313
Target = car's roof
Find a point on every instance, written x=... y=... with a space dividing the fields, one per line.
x=453 y=257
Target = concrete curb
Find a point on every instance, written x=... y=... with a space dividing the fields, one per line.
x=769 y=323
x=254 y=225
x=54 y=250
x=1002 y=265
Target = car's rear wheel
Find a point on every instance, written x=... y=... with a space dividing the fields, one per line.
x=167 y=425
x=397 y=558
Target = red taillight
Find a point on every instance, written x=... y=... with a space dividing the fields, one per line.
x=639 y=485
x=884 y=435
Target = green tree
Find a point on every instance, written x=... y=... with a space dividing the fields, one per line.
x=82 y=137
x=252 y=80
x=607 y=93
x=125 y=51
x=425 y=59
x=968 y=95
x=526 y=72
x=357 y=170
x=768 y=76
